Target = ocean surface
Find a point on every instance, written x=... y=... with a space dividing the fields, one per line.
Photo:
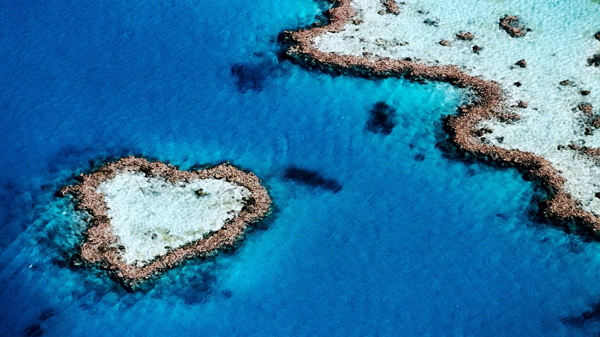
x=414 y=243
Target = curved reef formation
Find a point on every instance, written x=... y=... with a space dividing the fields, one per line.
x=146 y=217
x=518 y=114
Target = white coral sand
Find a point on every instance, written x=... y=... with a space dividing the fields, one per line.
x=557 y=48
x=150 y=216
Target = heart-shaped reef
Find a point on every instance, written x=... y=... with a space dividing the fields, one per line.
x=147 y=217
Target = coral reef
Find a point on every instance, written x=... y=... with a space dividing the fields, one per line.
x=489 y=103
x=102 y=246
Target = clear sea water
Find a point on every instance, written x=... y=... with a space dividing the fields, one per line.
x=414 y=244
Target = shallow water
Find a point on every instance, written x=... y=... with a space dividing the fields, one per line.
x=412 y=243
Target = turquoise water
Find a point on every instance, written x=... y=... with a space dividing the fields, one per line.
x=414 y=244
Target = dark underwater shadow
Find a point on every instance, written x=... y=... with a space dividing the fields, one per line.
x=579 y=321
x=588 y=321
x=381 y=119
x=311 y=179
x=256 y=74
x=249 y=76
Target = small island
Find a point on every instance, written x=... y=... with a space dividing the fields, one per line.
x=146 y=217
x=531 y=81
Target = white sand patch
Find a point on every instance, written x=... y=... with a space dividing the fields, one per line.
x=557 y=49
x=149 y=216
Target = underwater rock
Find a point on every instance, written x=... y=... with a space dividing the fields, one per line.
x=227 y=293
x=597 y=36
x=468 y=36
x=586 y=108
x=594 y=60
x=482 y=131
x=46 y=314
x=586 y=317
x=200 y=288
x=381 y=119
x=585 y=92
x=251 y=77
x=445 y=43
x=391 y=7
x=521 y=63
x=565 y=83
x=147 y=217
x=513 y=26
x=431 y=22
x=312 y=179
x=595 y=122
x=34 y=330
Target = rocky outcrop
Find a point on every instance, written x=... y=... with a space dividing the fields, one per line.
x=513 y=26
x=521 y=63
x=594 y=60
x=391 y=7
x=465 y=36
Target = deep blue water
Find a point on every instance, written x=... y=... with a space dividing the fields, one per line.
x=414 y=244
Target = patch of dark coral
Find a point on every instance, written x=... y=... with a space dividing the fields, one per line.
x=565 y=83
x=311 y=179
x=227 y=293
x=513 y=26
x=34 y=330
x=252 y=76
x=481 y=132
x=594 y=60
x=591 y=120
x=579 y=321
x=381 y=119
x=431 y=22
x=522 y=104
x=391 y=7
x=468 y=36
x=199 y=288
x=46 y=314
x=586 y=108
x=248 y=76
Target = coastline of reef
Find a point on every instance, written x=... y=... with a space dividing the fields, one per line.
x=489 y=102
x=99 y=244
